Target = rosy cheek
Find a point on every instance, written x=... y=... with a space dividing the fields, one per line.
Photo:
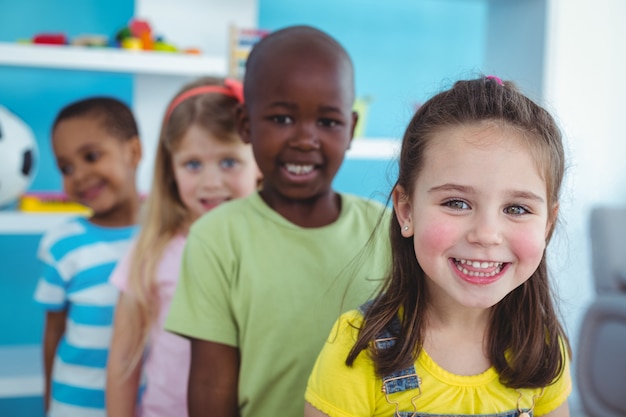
x=528 y=247
x=435 y=236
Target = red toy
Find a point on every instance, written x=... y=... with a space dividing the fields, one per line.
x=50 y=39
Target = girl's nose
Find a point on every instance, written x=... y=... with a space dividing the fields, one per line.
x=485 y=230
x=212 y=177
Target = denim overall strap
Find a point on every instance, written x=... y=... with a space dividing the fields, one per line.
x=404 y=379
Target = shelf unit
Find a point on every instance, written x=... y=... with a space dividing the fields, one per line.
x=109 y=60
x=26 y=223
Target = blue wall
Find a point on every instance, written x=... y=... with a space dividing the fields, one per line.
x=22 y=319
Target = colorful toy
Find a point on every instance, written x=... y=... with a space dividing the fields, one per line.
x=162 y=46
x=50 y=39
x=18 y=152
x=141 y=30
x=241 y=43
x=90 y=40
x=132 y=43
x=137 y=36
x=50 y=202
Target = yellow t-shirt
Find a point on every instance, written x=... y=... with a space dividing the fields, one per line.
x=342 y=391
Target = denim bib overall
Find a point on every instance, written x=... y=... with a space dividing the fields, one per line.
x=407 y=379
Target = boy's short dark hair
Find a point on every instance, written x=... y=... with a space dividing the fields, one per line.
x=117 y=117
x=299 y=39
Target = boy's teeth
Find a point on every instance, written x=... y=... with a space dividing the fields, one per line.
x=299 y=169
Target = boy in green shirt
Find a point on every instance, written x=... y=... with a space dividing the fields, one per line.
x=264 y=278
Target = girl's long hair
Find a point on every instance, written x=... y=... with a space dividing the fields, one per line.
x=164 y=214
x=525 y=337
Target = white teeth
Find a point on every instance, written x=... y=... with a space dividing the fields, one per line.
x=479 y=274
x=299 y=169
x=478 y=265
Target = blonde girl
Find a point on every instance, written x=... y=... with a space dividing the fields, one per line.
x=201 y=162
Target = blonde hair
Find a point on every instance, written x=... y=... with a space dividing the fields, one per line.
x=164 y=214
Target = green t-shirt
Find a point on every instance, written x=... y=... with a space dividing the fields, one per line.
x=251 y=279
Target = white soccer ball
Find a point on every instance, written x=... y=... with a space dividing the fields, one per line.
x=18 y=153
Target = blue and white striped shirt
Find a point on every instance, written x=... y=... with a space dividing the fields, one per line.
x=78 y=258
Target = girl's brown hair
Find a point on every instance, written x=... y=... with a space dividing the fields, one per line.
x=164 y=213
x=525 y=338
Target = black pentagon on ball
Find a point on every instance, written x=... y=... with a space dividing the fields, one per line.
x=27 y=162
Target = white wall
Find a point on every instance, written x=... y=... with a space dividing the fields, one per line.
x=202 y=24
x=515 y=43
x=585 y=87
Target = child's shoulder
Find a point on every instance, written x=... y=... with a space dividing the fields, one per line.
x=367 y=210
x=360 y=201
x=347 y=326
x=69 y=227
x=230 y=211
x=76 y=232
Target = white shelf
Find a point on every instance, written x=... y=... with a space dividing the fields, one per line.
x=21 y=223
x=110 y=60
x=374 y=148
x=21 y=371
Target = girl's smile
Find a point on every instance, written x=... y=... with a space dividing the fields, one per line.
x=479 y=272
x=90 y=193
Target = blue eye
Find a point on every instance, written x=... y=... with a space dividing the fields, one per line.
x=228 y=163
x=193 y=165
x=516 y=210
x=457 y=204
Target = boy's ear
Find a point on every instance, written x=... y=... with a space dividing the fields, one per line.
x=402 y=208
x=355 y=120
x=136 y=151
x=242 y=119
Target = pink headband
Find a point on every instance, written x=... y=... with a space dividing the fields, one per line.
x=494 y=78
x=231 y=88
